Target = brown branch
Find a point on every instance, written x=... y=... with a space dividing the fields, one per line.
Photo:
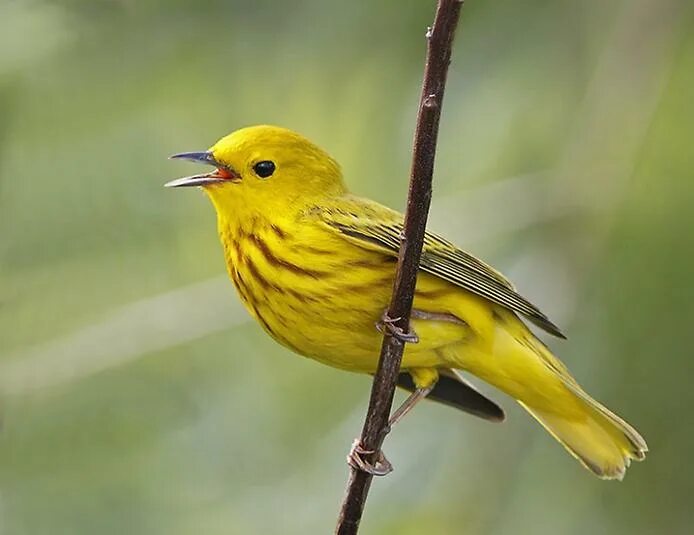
x=439 y=43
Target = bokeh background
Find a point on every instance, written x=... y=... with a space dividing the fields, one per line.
x=138 y=397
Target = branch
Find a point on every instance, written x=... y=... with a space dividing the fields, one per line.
x=439 y=43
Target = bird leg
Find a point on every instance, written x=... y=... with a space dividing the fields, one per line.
x=415 y=397
x=381 y=466
x=386 y=323
x=356 y=457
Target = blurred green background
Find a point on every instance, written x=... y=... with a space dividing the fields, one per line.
x=138 y=397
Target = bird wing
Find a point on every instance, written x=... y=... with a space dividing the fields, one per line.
x=375 y=226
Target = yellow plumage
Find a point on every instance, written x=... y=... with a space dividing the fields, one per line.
x=315 y=266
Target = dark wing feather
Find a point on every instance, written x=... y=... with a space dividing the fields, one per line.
x=454 y=391
x=372 y=224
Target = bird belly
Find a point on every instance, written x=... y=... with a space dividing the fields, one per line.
x=342 y=332
x=323 y=299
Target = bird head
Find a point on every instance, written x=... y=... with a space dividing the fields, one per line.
x=263 y=169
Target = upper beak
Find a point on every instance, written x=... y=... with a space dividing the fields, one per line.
x=214 y=177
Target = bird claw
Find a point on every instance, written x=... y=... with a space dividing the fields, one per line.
x=387 y=323
x=381 y=466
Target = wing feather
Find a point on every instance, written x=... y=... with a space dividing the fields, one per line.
x=453 y=390
x=373 y=225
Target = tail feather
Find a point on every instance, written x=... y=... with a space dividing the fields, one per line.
x=523 y=367
x=601 y=441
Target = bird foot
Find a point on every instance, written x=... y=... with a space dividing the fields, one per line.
x=386 y=323
x=355 y=458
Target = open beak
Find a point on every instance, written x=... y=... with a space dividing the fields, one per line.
x=221 y=174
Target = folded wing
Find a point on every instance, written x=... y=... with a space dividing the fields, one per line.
x=374 y=226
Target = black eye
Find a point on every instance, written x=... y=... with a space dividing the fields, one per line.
x=264 y=169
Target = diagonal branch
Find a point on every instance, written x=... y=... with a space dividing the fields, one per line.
x=439 y=44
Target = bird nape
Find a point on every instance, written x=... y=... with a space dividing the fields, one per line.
x=314 y=265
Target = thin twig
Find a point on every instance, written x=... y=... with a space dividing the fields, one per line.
x=439 y=43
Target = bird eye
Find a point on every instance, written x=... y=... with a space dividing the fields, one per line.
x=264 y=169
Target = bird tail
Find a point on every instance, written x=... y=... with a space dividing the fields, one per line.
x=523 y=367
x=601 y=441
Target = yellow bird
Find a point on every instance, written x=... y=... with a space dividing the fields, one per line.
x=314 y=265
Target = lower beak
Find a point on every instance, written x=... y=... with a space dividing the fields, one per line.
x=195 y=180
